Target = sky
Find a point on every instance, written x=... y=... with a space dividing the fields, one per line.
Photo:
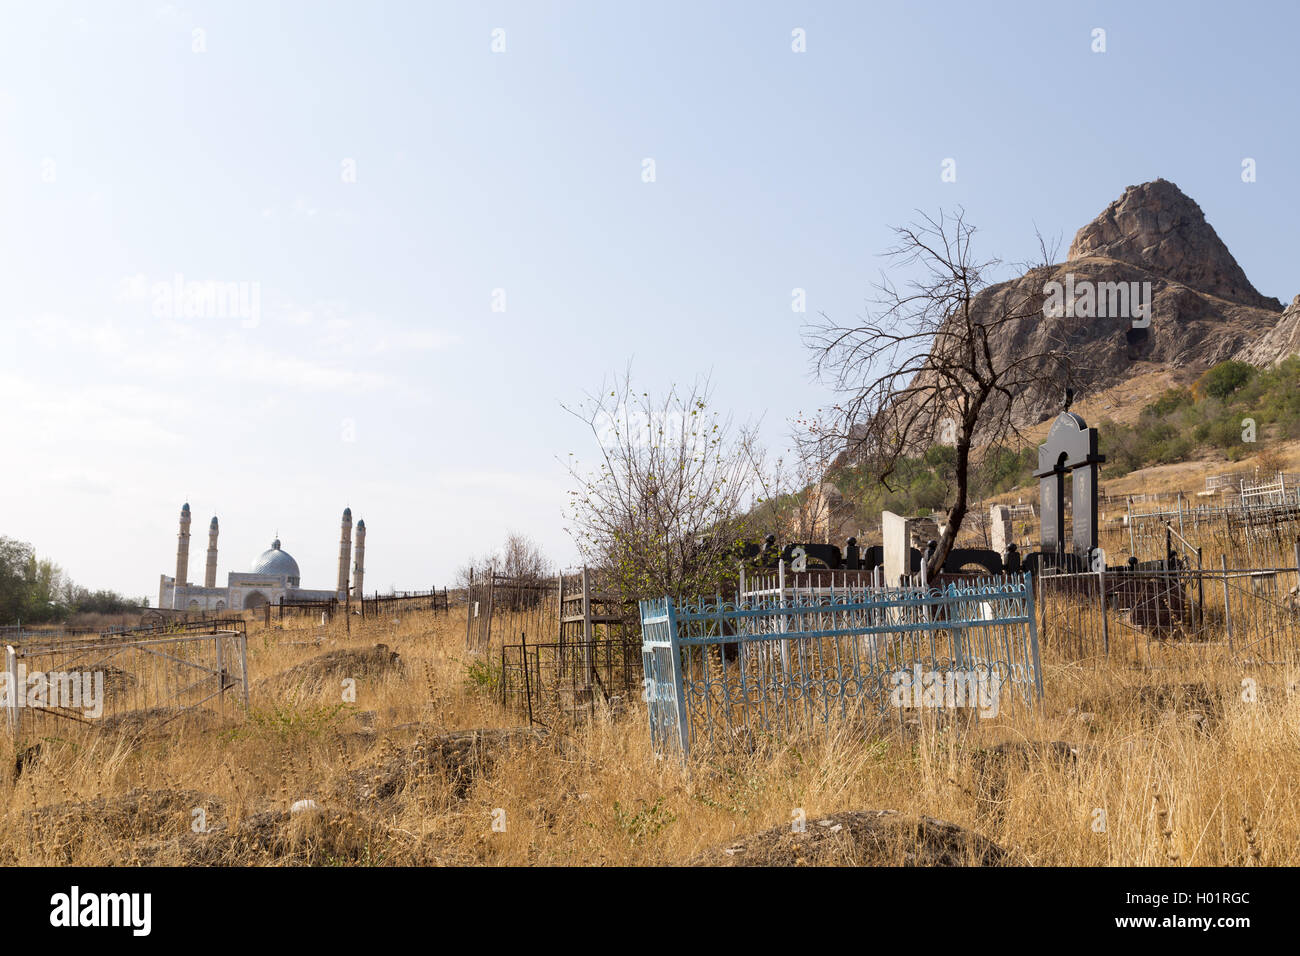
x=439 y=224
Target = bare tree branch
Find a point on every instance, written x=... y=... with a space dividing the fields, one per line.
x=945 y=360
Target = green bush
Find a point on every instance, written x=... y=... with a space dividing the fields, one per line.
x=1171 y=400
x=1226 y=378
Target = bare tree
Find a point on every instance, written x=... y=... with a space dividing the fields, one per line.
x=522 y=559
x=947 y=359
x=670 y=494
x=473 y=570
x=522 y=564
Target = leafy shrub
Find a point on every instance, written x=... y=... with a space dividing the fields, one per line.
x=481 y=674
x=292 y=720
x=1226 y=378
x=645 y=823
x=1170 y=400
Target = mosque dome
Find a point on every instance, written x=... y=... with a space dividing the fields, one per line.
x=276 y=561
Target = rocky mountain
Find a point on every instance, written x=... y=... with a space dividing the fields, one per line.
x=1152 y=249
x=1279 y=342
x=1158 y=228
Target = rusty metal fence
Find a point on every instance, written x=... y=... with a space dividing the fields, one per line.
x=325 y=609
x=402 y=602
x=1250 y=613
x=567 y=608
x=149 y=675
x=556 y=683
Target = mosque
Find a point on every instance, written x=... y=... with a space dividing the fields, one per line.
x=274 y=574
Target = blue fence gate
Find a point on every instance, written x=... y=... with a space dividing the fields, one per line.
x=786 y=662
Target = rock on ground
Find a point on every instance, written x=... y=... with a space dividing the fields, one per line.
x=314 y=674
x=862 y=838
x=458 y=757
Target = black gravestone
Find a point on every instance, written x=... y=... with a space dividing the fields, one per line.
x=1071 y=446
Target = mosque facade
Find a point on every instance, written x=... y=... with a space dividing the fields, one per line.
x=274 y=574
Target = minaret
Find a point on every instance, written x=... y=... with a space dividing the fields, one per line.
x=359 y=569
x=183 y=549
x=210 y=576
x=345 y=552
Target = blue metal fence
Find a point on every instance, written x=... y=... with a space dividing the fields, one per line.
x=780 y=663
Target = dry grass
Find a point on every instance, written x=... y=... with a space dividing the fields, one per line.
x=1182 y=777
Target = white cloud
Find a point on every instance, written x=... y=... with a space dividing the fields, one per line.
x=169 y=349
x=61 y=416
x=419 y=340
x=268 y=368
x=91 y=481
x=503 y=484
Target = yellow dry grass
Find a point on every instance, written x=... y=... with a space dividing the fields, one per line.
x=1150 y=785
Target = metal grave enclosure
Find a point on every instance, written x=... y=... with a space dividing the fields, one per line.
x=790 y=662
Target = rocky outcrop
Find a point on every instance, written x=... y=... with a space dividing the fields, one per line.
x=1203 y=309
x=1160 y=229
x=1278 y=343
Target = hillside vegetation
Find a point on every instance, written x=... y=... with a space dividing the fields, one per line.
x=1210 y=420
x=1232 y=410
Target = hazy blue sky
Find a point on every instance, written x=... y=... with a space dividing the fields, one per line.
x=377 y=373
